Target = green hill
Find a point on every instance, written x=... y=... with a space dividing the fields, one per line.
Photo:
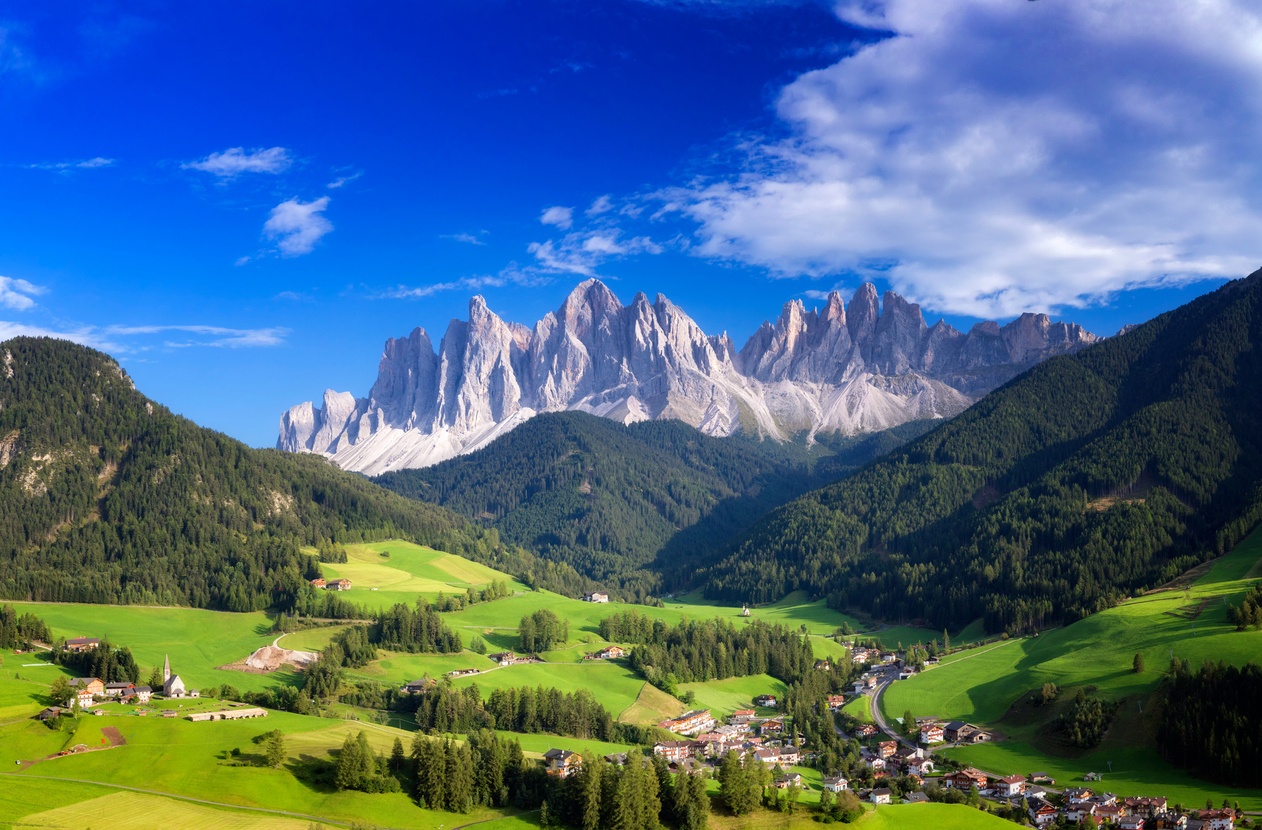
x=1084 y=480
x=620 y=503
x=108 y=497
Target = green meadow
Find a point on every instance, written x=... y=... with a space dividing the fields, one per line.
x=385 y=573
x=991 y=684
x=198 y=641
x=177 y=757
x=722 y=697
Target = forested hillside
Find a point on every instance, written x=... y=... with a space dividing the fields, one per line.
x=620 y=503
x=107 y=497
x=1086 y=479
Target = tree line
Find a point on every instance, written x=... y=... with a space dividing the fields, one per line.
x=1211 y=721
x=699 y=650
x=22 y=630
x=1248 y=614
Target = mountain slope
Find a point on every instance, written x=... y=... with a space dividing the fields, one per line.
x=1089 y=478
x=619 y=502
x=108 y=497
x=816 y=372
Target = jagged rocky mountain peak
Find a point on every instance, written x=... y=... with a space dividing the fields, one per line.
x=870 y=364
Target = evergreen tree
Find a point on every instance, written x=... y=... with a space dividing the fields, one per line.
x=1138 y=664
x=275 y=748
x=590 y=788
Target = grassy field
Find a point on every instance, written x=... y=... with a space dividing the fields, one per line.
x=987 y=685
x=385 y=573
x=179 y=757
x=613 y=684
x=197 y=641
x=937 y=816
x=722 y=697
x=652 y=705
x=152 y=812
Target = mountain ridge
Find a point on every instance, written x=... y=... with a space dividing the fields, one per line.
x=1090 y=477
x=869 y=366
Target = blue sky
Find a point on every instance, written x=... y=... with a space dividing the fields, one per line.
x=242 y=201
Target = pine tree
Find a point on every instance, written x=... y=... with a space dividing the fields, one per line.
x=459 y=762
x=1138 y=665
x=275 y=748
x=590 y=786
x=398 y=760
x=349 y=766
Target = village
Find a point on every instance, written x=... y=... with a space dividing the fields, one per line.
x=896 y=769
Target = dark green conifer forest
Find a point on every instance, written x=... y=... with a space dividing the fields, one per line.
x=108 y=497
x=1086 y=479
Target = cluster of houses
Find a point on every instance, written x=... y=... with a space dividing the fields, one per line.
x=1136 y=813
x=331 y=584
x=933 y=731
x=87 y=692
x=745 y=733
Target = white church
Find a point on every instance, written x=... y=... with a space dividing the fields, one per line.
x=172 y=685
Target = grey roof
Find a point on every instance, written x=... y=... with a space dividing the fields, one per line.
x=915 y=798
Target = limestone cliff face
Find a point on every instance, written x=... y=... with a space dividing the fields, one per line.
x=850 y=369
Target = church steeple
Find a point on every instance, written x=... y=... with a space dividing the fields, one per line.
x=166 y=669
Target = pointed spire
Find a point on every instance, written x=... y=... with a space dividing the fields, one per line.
x=166 y=669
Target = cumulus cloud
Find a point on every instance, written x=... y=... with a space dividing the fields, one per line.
x=18 y=294
x=230 y=163
x=561 y=217
x=297 y=226
x=989 y=157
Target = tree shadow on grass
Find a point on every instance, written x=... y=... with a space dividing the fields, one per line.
x=316 y=774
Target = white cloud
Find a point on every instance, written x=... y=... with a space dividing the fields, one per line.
x=18 y=294
x=467 y=238
x=234 y=161
x=512 y=275
x=561 y=217
x=581 y=253
x=81 y=164
x=297 y=226
x=341 y=181
x=602 y=204
x=993 y=156
x=86 y=336
x=217 y=336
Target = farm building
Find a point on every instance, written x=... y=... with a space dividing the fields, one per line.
x=596 y=596
x=230 y=714
x=338 y=585
x=78 y=644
